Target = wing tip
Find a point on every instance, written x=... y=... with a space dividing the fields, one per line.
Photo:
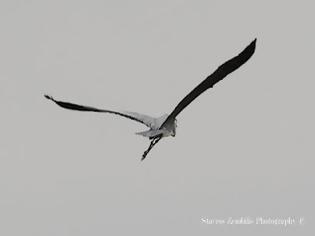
x=252 y=45
x=49 y=97
x=248 y=51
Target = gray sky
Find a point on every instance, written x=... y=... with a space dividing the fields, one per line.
x=243 y=149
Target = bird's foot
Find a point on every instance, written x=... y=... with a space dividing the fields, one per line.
x=153 y=142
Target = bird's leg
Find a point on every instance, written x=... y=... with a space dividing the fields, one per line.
x=153 y=142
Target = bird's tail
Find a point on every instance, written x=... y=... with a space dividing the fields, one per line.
x=150 y=133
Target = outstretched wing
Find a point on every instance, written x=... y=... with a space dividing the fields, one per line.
x=222 y=71
x=146 y=120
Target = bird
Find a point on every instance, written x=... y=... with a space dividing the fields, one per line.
x=165 y=125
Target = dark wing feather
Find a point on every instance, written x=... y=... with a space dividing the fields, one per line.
x=222 y=71
x=72 y=106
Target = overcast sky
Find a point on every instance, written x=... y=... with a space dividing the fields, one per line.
x=242 y=149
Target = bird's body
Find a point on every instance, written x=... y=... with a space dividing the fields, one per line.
x=156 y=131
x=165 y=125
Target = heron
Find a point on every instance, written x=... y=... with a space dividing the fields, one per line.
x=165 y=125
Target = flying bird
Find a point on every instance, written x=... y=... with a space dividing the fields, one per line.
x=165 y=125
